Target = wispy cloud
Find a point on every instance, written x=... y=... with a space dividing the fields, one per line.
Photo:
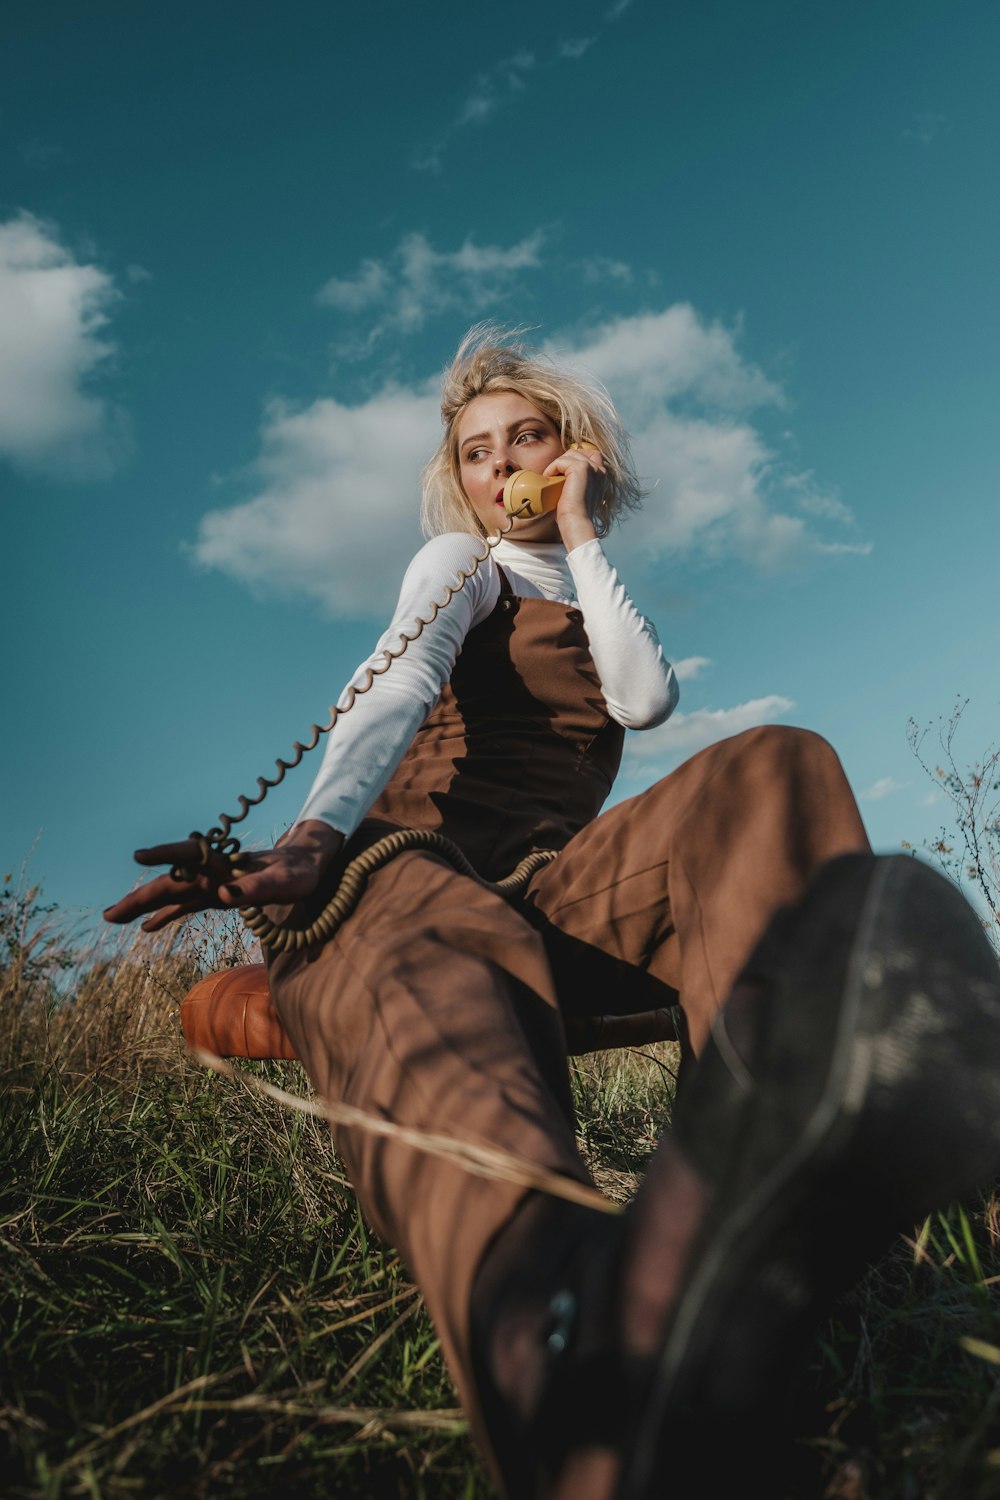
x=602 y=268
x=924 y=128
x=575 y=47
x=821 y=504
x=685 y=389
x=492 y=90
x=507 y=77
x=488 y=93
x=683 y=733
x=416 y=282
x=688 y=668
x=54 y=311
x=883 y=787
x=368 y=285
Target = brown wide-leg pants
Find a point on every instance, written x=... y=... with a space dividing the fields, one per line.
x=440 y=1006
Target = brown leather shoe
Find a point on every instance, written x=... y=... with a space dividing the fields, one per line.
x=232 y=1014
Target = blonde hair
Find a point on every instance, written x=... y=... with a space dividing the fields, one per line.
x=491 y=358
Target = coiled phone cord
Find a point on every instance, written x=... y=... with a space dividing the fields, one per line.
x=284 y=939
x=221 y=841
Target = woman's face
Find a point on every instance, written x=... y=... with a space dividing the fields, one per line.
x=498 y=434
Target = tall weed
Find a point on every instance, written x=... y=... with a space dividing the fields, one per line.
x=191 y=1304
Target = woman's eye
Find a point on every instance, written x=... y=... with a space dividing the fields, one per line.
x=531 y=436
x=475 y=455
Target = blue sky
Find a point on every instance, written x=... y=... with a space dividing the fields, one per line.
x=238 y=242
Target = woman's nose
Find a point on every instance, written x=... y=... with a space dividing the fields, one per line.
x=503 y=465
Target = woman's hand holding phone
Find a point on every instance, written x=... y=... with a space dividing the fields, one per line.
x=288 y=872
x=528 y=493
x=583 y=467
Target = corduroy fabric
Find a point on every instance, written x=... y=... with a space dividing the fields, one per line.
x=441 y=1006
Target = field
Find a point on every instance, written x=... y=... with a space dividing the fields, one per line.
x=191 y=1305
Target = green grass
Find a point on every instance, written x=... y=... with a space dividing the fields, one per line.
x=191 y=1305
x=190 y=1302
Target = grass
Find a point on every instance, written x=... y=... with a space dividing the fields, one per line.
x=191 y=1305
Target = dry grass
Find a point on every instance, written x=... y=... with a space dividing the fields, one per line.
x=191 y=1305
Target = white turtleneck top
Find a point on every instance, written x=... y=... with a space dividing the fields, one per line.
x=366 y=745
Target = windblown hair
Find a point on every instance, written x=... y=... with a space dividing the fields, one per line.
x=491 y=358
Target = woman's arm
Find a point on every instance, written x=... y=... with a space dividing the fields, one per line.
x=362 y=751
x=639 y=684
x=367 y=744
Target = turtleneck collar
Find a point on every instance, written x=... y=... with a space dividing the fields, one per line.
x=542 y=563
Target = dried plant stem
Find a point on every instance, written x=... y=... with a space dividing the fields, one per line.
x=479 y=1160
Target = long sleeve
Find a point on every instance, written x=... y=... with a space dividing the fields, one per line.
x=367 y=744
x=639 y=684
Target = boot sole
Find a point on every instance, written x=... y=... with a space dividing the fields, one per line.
x=892 y=1062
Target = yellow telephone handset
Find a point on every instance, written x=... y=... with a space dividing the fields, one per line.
x=535 y=491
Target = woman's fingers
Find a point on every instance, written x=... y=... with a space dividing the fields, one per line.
x=277 y=875
x=167 y=891
x=186 y=854
x=161 y=892
x=583 y=472
x=175 y=913
x=575 y=460
x=184 y=851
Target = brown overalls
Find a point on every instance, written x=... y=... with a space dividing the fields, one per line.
x=440 y=1005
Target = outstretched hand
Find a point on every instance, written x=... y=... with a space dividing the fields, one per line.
x=286 y=873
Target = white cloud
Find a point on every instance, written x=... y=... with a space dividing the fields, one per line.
x=883 y=787
x=335 y=513
x=416 y=282
x=821 y=505
x=683 y=387
x=683 y=734
x=53 y=312
x=507 y=76
x=687 y=395
x=488 y=93
x=659 y=357
x=603 y=268
x=843 y=549
x=575 y=47
x=497 y=89
x=490 y=88
x=687 y=669
x=354 y=293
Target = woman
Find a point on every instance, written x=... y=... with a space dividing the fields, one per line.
x=596 y=1356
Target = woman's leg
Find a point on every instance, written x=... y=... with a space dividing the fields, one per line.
x=438 y=1010
x=681 y=881
x=840 y=1093
x=433 y=1008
